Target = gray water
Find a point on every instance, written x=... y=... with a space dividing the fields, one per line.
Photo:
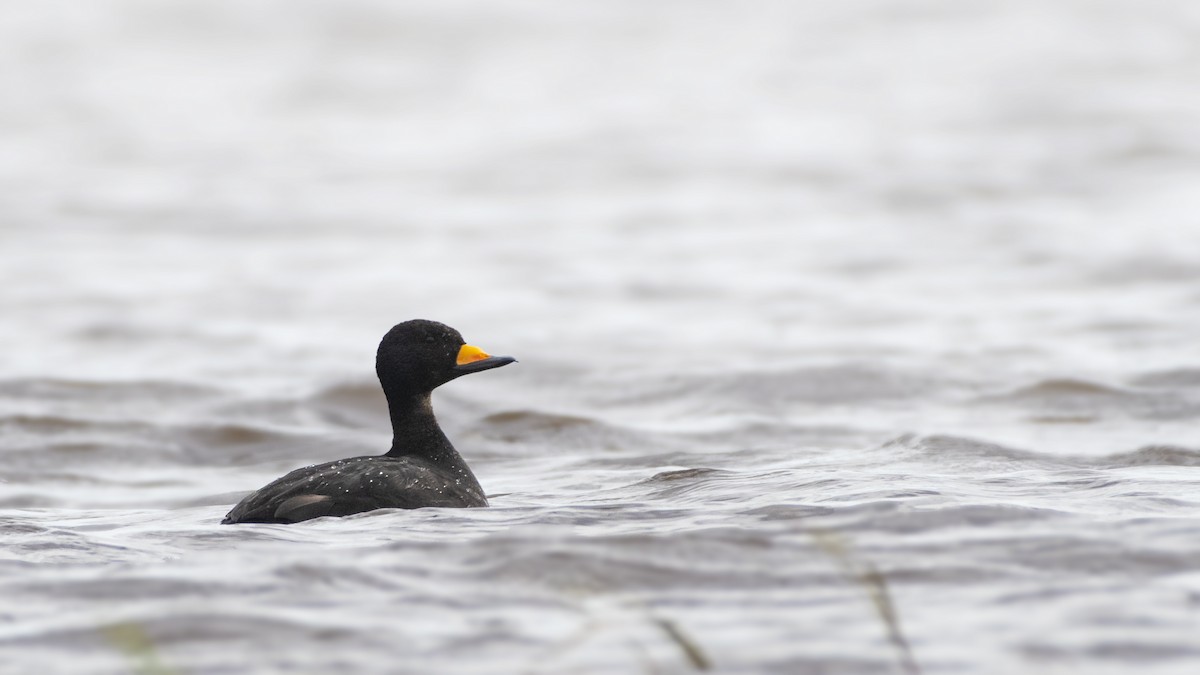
x=813 y=302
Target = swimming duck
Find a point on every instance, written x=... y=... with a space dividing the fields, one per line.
x=421 y=469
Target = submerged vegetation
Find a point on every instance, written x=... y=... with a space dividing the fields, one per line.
x=133 y=641
x=857 y=570
x=866 y=575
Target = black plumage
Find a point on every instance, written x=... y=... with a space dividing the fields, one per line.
x=422 y=468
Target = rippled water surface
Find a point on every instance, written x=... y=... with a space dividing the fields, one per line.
x=816 y=305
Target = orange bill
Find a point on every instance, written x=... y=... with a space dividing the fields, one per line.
x=471 y=354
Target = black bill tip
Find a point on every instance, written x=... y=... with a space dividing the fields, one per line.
x=483 y=364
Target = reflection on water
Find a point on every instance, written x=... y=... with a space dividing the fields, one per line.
x=841 y=329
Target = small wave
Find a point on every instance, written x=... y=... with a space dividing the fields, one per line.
x=171 y=626
x=57 y=424
x=1175 y=378
x=235 y=434
x=748 y=435
x=955 y=446
x=768 y=389
x=1145 y=269
x=1080 y=400
x=673 y=486
x=682 y=474
x=10 y=527
x=537 y=421
x=941 y=447
x=49 y=457
x=912 y=520
x=539 y=429
x=223 y=444
x=48 y=443
x=355 y=404
x=1153 y=455
x=107 y=391
x=1064 y=387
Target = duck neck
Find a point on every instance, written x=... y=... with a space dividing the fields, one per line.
x=415 y=432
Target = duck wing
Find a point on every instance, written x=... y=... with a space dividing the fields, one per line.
x=353 y=485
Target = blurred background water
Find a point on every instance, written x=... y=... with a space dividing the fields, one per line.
x=799 y=290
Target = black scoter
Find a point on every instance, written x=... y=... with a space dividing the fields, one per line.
x=421 y=469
